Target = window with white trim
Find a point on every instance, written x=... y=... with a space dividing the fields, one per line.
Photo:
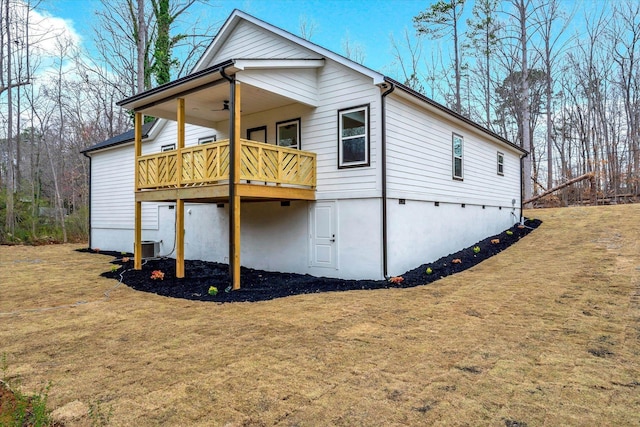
x=500 y=163
x=353 y=137
x=457 y=153
x=168 y=147
x=288 y=133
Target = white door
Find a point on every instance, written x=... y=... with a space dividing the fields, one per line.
x=322 y=217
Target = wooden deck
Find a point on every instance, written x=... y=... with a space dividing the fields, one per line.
x=266 y=172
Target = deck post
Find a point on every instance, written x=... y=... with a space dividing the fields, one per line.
x=179 y=238
x=180 y=202
x=234 y=197
x=137 y=238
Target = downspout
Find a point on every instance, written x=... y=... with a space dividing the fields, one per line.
x=89 y=201
x=383 y=160
x=522 y=187
x=232 y=156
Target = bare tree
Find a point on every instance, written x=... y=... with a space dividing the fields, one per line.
x=353 y=50
x=137 y=35
x=625 y=36
x=484 y=39
x=441 y=19
x=408 y=67
x=307 y=27
x=553 y=43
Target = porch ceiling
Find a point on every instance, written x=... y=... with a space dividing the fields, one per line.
x=204 y=107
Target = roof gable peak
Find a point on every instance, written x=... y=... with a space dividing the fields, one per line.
x=238 y=16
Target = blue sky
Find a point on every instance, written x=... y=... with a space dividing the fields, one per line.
x=367 y=23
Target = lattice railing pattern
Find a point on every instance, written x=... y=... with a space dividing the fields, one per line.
x=279 y=165
x=159 y=170
x=209 y=164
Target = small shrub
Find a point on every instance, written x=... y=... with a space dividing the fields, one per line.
x=476 y=249
x=429 y=270
x=213 y=290
x=509 y=233
x=157 y=275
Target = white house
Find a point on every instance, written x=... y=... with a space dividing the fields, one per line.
x=278 y=154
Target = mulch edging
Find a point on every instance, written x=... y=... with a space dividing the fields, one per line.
x=259 y=285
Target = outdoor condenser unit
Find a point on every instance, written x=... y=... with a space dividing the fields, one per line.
x=150 y=249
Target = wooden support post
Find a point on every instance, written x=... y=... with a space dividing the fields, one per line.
x=179 y=238
x=137 y=238
x=235 y=260
x=180 y=202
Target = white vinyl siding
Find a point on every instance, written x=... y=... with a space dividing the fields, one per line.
x=169 y=135
x=299 y=85
x=338 y=88
x=419 y=160
x=250 y=41
x=112 y=198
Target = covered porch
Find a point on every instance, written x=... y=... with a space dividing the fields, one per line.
x=232 y=170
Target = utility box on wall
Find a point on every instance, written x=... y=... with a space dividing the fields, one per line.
x=150 y=249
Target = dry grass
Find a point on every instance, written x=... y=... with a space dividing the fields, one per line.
x=546 y=333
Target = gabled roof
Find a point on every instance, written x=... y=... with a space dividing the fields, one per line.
x=237 y=16
x=205 y=76
x=128 y=136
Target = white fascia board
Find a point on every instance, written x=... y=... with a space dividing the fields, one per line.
x=261 y=64
x=155 y=129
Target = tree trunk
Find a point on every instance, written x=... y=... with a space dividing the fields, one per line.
x=10 y=183
x=141 y=47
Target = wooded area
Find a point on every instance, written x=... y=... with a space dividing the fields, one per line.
x=562 y=83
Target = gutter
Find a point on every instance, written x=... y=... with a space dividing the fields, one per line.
x=89 y=200
x=383 y=160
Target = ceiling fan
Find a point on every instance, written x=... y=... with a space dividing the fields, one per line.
x=225 y=106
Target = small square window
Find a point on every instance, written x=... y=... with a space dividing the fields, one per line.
x=500 y=163
x=207 y=139
x=353 y=137
x=457 y=152
x=168 y=147
x=288 y=133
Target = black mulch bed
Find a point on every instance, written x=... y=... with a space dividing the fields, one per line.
x=258 y=285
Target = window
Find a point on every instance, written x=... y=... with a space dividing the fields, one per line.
x=353 y=137
x=500 y=163
x=288 y=133
x=258 y=134
x=168 y=147
x=207 y=139
x=458 y=142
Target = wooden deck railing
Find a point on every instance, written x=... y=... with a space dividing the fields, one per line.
x=209 y=164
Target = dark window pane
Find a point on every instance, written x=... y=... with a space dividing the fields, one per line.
x=457 y=168
x=353 y=150
x=288 y=135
